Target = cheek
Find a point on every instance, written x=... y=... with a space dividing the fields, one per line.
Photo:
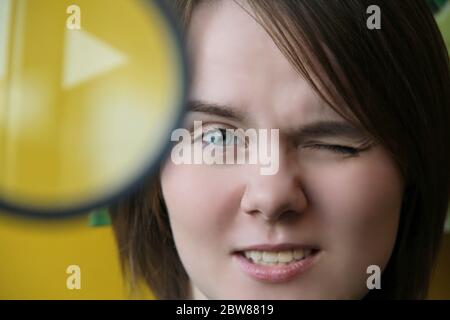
x=201 y=202
x=359 y=204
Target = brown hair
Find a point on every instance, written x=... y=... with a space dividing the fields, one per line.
x=395 y=81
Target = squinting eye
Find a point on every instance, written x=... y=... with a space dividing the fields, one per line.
x=218 y=137
x=336 y=149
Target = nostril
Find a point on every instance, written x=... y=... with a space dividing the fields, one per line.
x=286 y=215
x=272 y=203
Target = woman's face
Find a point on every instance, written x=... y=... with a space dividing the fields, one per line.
x=312 y=229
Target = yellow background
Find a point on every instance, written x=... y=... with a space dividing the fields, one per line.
x=35 y=255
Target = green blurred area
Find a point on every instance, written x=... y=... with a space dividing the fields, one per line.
x=443 y=20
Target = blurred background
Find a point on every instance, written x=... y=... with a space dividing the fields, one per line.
x=34 y=254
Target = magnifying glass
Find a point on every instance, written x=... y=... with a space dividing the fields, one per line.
x=90 y=91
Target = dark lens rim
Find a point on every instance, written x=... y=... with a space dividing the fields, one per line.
x=86 y=208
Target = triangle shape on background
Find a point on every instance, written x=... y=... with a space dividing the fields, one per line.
x=86 y=57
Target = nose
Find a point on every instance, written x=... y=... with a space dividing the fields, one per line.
x=274 y=196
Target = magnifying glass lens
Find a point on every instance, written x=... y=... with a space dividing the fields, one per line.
x=88 y=96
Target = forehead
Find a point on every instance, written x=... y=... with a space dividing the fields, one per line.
x=235 y=62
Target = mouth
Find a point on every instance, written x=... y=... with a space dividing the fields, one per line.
x=275 y=263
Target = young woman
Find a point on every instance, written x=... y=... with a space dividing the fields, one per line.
x=363 y=177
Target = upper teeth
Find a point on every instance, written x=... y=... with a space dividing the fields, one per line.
x=272 y=257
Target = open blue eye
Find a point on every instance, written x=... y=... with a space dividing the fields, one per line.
x=218 y=137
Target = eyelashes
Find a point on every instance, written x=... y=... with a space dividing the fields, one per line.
x=219 y=137
x=345 y=150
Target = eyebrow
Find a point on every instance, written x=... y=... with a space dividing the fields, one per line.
x=327 y=129
x=216 y=110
